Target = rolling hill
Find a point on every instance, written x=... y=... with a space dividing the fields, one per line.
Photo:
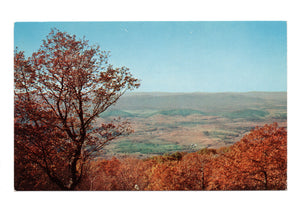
x=168 y=122
x=205 y=102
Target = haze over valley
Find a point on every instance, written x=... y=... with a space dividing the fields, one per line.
x=170 y=122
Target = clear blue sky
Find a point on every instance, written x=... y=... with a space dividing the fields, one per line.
x=183 y=56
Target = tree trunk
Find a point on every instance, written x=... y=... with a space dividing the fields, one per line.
x=265 y=180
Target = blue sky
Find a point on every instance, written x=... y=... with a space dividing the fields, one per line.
x=183 y=56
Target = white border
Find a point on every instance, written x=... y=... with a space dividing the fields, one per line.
x=154 y=10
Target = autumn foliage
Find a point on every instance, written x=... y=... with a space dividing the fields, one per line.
x=257 y=162
x=59 y=92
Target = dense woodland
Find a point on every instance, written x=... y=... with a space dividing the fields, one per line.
x=257 y=162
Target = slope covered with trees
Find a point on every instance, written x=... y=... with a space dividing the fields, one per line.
x=257 y=162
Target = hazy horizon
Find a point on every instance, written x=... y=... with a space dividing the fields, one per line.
x=147 y=92
x=183 y=56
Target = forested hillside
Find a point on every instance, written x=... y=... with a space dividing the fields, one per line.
x=257 y=162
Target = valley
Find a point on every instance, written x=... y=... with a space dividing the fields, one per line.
x=170 y=122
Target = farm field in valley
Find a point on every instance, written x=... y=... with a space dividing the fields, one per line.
x=170 y=122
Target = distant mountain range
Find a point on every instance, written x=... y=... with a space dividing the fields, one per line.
x=201 y=102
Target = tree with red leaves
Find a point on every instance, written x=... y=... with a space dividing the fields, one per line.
x=59 y=92
x=257 y=162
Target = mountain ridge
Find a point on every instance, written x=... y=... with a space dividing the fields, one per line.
x=205 y=102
